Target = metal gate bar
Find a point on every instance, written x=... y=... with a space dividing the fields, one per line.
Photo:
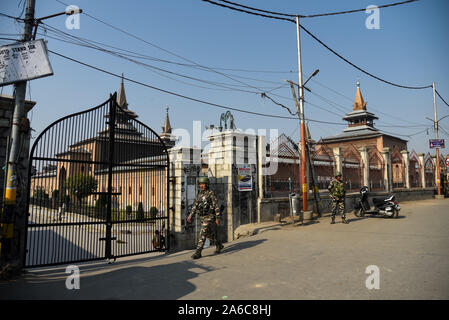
x=97 y=188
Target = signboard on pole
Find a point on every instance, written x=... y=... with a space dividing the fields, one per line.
x=245 y=178
x=436 y=143
x=24 y=61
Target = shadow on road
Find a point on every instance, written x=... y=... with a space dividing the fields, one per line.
x=381 y=217
x=233 y=247
x=169 y=282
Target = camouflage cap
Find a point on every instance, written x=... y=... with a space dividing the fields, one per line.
x=203 y=180
x=338 y=173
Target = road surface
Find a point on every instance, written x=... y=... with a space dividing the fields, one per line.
x=316 y=261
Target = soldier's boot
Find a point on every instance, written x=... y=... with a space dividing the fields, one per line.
x=218 y=247
x=333 y=220
x=344 y=220
x=197 y=254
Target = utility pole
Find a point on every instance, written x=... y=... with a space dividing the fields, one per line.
x=436 y=137
x=301 y=119
x=10 y=247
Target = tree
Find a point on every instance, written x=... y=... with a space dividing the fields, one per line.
x=140 y=213
x=40 y=194
x=81 y=185
x=153 y=212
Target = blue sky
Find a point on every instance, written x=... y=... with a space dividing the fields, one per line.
x=410 y=48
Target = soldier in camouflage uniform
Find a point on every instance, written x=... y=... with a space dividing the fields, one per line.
x=206 y=207
x=337 y=193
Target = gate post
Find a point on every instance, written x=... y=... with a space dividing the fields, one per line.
x=227 y=149
x=184 y=169
x=111 y=123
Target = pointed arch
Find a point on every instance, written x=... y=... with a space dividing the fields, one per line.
x=376 y=169
x=324 y=164
x=415 y=170
x=429 y=170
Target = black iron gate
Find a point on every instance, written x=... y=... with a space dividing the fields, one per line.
x=98 y=188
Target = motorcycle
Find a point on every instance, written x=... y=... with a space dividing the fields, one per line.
x=386 y=206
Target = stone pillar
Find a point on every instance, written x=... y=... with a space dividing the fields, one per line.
x=185 y=166
x=261 y=161
x=407 y=168
x=365 y=160
x=388 y=179
x=338 y=160
x=227 y=150
x=423 y=169
x=434 y=161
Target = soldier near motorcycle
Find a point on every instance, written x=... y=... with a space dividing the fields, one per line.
x=206 y=207
x=337 y=193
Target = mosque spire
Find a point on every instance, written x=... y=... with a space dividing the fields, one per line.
x=167 y=127
x=359 y=103
x=121 y=98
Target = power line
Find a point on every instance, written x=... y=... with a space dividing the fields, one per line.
x=260 y=10
x=441 y=98
x=375 y=109
x=249 y=12
x=169 y=92
x=85 y=43
x=142 y=56
x=324 y=45
x=264 y=95
x=407 y=135
x=11 y=17
x=162 y=49
x=357 y=67
x=315 y=15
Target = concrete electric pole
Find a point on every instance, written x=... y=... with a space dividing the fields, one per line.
x=10 y=251
x=302 y=126
x=436 y=137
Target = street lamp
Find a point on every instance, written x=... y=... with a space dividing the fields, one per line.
x=311 y=76
x=69 y=11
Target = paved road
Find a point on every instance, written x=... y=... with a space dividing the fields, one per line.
x=318 y=261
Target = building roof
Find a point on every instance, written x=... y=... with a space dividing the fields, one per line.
x=357 y=114
x=357 y=133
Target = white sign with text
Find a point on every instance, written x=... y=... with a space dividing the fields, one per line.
x=24 y=61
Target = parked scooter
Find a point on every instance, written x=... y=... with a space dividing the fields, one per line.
x=386 y=206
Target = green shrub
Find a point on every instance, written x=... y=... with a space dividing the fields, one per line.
x=55 y=194
x=140 y=212
x=81 y=185
x=102 y=201
x=153 y=212
x=39 y=193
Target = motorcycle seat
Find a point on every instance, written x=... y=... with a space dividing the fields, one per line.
x=378 y=200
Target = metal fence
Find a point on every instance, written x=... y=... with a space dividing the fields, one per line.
x=97 y=189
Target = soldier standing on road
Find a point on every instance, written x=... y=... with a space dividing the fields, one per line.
x=337 y=193
x=206 y=207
